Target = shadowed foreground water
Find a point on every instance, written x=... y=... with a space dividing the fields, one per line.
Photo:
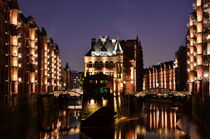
x=145 y=121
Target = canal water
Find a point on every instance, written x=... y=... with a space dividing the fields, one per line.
x=54 y=120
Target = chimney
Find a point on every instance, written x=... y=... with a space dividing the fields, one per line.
x=93 y=42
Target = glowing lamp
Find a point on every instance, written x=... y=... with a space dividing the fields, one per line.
x=206 y=75
x=92 y=101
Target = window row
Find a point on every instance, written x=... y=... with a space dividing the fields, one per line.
x=99 y=65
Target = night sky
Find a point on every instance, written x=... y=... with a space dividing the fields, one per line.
x=160 y=25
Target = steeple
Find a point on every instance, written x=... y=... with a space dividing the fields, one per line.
x=44 y=31
x=67 y=66
x=118 y=49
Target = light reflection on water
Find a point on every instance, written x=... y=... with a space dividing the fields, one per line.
x=47 y=124
x=66 y=124
x=150 y=121
x=158 y=121
x=117 y=104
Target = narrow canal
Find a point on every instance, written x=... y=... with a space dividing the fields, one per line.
x=54 y=120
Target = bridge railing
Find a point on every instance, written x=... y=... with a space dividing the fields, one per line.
x=162 y=92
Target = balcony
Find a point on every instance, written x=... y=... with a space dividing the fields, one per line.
x=206 y=5
x=206 y=23
x=13 y=30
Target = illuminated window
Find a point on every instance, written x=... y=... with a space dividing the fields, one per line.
x=14 y=17
x=14 y=75
x=208 y=49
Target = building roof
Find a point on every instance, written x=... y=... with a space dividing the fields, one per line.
x=43 y=31
x=104 y=47
x=168 y=65
x=56 y=47
x=67 y=66
x=118 y=47
x=109 y=47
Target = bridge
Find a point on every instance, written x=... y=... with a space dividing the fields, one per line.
x=160 y=92
x=70 y=93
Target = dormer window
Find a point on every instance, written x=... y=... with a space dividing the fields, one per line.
x=103 y=53
x=93 y=53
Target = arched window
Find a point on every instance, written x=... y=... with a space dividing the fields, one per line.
x=106 y=64
x=90 y=65
x=111 y=64
x=101 y=65
x=96 y=64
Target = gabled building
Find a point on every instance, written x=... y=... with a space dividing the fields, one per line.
x=168 y=75
x=66 y=78
x=119 y=59
x=26 y=54
x=160 y=76
x=49 y=64
x=133 y=65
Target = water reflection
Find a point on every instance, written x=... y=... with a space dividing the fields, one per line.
x=42 y=120
x=67 y=123
x=158 y=121
x=117 y=104
x=144 y=120
x=161 y=118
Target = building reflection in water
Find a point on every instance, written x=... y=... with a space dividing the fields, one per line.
x=151 y=120
x=65 y=122
x=161 y=118
x=157 y=122
x=117 y=104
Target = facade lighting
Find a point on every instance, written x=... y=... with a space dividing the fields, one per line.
x=206 y=75
x=19 y=56
x=20 y=79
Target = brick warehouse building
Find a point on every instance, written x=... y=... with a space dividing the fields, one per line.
x=160 y=76
x=29 y=60
x=121 y=59
x=198 y=44
x=168 y=75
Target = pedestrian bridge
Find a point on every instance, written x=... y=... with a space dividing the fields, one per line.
x=160 y=92
x=68 y=93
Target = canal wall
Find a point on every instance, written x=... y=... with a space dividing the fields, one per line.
x=198 y=107
x=20 y=114
x=97 y=115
